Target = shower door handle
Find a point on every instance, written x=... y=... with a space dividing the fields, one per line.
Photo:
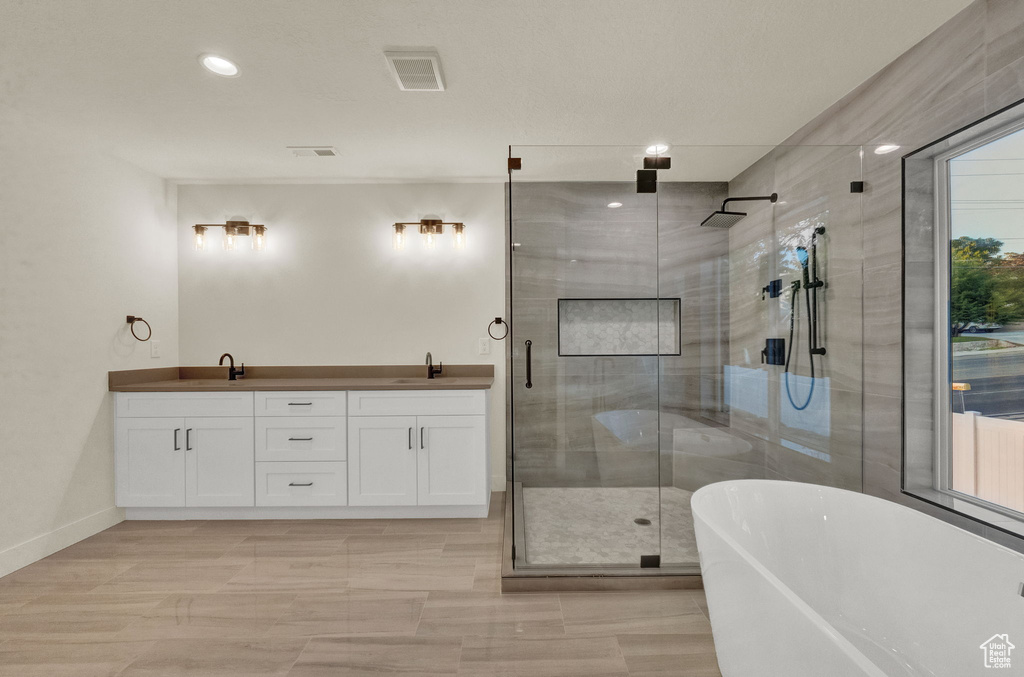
x=529 y=364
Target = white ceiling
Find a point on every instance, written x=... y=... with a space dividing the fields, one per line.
x=125 y=73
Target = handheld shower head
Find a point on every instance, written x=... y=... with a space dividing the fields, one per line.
x=801 y=254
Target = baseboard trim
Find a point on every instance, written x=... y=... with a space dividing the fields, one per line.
x=41 y=546
x=306 y=513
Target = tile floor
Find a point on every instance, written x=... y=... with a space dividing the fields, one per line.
x=595 y=525
x=317 y=598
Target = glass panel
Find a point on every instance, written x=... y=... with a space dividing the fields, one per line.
x=666 y=353
x=585 y=422
x=986 y=308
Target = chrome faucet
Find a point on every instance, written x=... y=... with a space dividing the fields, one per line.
x=431 y=371
x=233 y=373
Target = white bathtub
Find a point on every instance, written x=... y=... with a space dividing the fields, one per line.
x=806 y=580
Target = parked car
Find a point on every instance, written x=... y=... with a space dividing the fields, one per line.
x=987 y=327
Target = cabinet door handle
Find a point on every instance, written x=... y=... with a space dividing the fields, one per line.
x=299 y=439
x=421 y=436
x=300 y=484
x=177 y=447
x=188 y=439
x=300 y=404
x=410 y=437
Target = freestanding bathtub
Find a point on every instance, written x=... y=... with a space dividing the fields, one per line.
x=806 y=580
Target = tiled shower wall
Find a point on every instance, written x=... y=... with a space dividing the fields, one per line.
x=970 y=67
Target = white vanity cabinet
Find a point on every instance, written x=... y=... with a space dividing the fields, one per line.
x=302 y=454
x=426 y=448
x=170 y=453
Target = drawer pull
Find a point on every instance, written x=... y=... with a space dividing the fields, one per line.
x=300 y=439
x=300 y=484
x=300 y=404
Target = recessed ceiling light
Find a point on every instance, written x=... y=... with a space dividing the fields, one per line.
x=657 y=149
x=886 y=148
x=219 y=65
x=614 y=205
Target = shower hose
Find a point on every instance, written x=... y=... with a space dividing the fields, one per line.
x=793 y=306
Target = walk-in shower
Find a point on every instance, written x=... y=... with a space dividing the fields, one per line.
x=634 y=351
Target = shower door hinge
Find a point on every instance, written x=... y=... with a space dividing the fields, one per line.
x=515 y=163
x=856 y=186
x=650 y=561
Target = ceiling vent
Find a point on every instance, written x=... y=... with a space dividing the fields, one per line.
x=313 y=151
x=416 y=71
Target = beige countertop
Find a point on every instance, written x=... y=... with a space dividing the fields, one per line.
x=385 y=377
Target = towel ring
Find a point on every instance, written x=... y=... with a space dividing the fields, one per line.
x=498 y=321
x=132 y=319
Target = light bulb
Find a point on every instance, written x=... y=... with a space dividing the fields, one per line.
x=200 y=238
x=398 y=239
x=219 y=65
x=657 y=148
x=229 y=238
x=886 y=148
x=459 y=230
x=431 y=240
x=259 y=238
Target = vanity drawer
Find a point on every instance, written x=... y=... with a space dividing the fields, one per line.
x=185 y=404
x=416 y=402
x=300 y=403
x=300 y=438
x=294 y=483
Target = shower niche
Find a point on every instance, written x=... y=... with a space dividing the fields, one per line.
x=609 y=327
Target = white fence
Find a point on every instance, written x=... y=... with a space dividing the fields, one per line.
x=988 y=459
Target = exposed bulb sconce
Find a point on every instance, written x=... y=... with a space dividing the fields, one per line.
x=232 y=230
x=430 y=229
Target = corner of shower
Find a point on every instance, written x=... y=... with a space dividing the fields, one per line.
x=626 y=391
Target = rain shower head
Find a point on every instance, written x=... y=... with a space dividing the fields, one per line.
x=722 y=219
x=726 y=219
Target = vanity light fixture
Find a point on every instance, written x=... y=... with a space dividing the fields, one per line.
x=886 y=148
x=430 y=229
x=218 y=65
x=232 y=230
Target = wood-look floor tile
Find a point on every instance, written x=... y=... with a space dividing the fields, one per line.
x=372 y=657
x=352 y=613
x=487 y=577
x=292 y=574
x=665 y=655
x=364 y=551
x=652 y=612
x=541 y=657
x=490 y=614
x=246 y=527
x=150 y=528
x=285 y=545
x=339 y=527
x=214 y=615
x=475 y=551
x=148 y=550
x=50 y=658
x=172 y=576
x=449 y=575
x=435 y=526
x=49 y=576
x=217 y=658
x=13 y=602
x=76 y=615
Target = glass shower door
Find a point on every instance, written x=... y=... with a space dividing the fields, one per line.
x=586 y=336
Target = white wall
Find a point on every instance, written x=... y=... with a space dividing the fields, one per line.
x=85 y=239
x=331 y=290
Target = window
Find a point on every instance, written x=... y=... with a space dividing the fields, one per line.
x=964 y=321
